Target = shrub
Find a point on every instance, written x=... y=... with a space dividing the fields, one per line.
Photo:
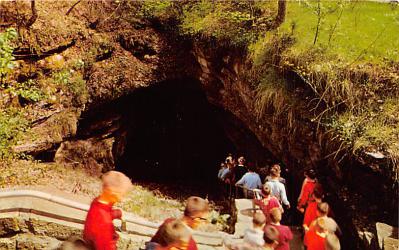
x=12 y=126
x=6 y=59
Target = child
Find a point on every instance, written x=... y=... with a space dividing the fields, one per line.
x=285 y=234
x=322 y=211
x=308 y=187
x=271 y=238
x=315 y=238
x=175 y=235
x=99 y=231
x=254 y=235
x=311 y=210
x=196 y=211
x=268 y=202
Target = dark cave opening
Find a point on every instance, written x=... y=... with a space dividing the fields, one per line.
x=175 y=136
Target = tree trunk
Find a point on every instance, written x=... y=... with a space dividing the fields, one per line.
x=282 y=6
x=33 y=18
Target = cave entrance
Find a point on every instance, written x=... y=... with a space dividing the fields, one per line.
x=174 y=136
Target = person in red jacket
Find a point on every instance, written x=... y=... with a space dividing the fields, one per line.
x=195 y=213
x=285 y=234
x=311 y=210
x=99 y=232
x=308 y=187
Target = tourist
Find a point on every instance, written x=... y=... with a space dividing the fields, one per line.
x=275 y=168
x=278 y=188
x=194 y=214
x=285 y=234
x=174 y=235
x=240 y=169
x=322 y=211
x=311 y=209
x=271 y=236
x=267 y=202
x=315 y=238
x=254 y=236
x=332 y=242
x=228 y=175
x=249 y=181
x=99 y=231
x=223 y=167
x=308 y=186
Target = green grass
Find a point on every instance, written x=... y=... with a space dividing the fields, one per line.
x=365 y=32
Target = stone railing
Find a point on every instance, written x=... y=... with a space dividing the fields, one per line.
x=29 y=217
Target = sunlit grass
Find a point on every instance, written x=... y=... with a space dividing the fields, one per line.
x=364 y=31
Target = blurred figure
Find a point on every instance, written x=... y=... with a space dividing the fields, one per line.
x=249 y=181
x=174 y=235
x=267 y=202
x=322 y=211
x=99 y=232
x=308 y=187
x=254 y=236
x=195 y=213
x=275 y=168
x=332 y=242
x=312 y=208
x=285 y=234
x=316 y=237
x=278 y=188
x=270 y=236
x=221 y=170
x=240 y=169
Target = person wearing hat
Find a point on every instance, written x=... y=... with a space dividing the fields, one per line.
x=99 y=231
x=267 y=202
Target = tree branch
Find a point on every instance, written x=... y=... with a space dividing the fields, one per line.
x=73 y=6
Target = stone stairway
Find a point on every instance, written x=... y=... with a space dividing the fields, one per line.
x=245 y=211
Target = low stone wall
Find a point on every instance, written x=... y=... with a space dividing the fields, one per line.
x=38 y=220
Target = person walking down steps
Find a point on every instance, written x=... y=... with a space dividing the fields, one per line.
x=99 y=232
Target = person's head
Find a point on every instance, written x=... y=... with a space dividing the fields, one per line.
x=197 y=210
x=270 y=236
x=241 y=160
x=275 y=215
x=311 y=174
x=174 y=233
x=266 y=190
x=321 y=225
x=251 y=168
x=332 y=242
x=259 y=220
x=115 y=186
x=322 y=209
x=222 y=165
x=275 y=170
x=318 y=194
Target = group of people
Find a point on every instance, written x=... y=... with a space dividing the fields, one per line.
x=267 y=232
x=270 y=201
x=99 y=232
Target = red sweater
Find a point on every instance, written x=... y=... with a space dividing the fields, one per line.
x=306 y=193
x=157 y=238
x=284 y=238
x=310 y=213
x=267 y=204
x=99 y=230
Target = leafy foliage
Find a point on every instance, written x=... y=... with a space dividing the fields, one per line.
x=12 y=125
x=73 y=82
x=7 y=63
